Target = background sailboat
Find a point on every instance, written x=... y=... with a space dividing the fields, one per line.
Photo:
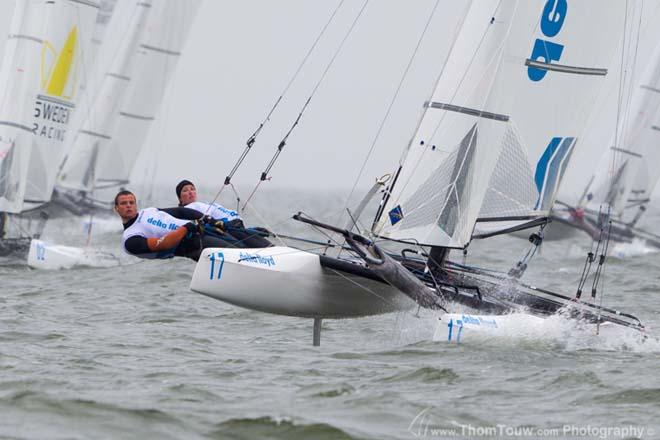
x=137 y=66
x=41 y=74
x=133 y=73
x=600 y=179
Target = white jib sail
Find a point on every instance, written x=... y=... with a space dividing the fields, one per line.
x=40 y=77
x=107 y=146
x=521 y=91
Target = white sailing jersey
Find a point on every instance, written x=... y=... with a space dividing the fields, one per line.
x=151 y=223
x=218 y=212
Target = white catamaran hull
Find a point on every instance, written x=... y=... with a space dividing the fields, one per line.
x=288 y=281
x=462 y=327
x=48 y=256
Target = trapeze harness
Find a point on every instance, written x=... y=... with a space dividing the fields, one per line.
x=218 y=212
x=150 y=223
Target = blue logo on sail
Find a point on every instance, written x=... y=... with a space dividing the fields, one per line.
x=550 y=169
x=396 y=215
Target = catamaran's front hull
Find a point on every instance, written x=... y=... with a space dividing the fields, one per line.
x=288 y=281
x=49 y=256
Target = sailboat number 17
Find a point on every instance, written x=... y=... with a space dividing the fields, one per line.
x=552 y=19
x=217 y=263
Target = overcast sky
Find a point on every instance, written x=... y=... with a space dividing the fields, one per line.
x=240 y=56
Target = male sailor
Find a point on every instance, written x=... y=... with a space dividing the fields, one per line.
x=227 y=219
x=155 y=233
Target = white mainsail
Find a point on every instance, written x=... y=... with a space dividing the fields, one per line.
x=628 y=171
x=109 y=140
x=519 y=84
x=40 y=77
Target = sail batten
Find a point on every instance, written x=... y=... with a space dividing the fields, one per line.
x=554 y=67
x=469 y=111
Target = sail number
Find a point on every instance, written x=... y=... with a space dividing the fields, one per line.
x=217 y=261
x=552 y=19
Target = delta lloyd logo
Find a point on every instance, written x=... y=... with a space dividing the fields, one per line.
x=58 y=68
x=255 y=258
x=228 y=212
x=161 y=224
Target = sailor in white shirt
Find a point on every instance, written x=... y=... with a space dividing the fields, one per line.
x=154 y=233
x=231 y=221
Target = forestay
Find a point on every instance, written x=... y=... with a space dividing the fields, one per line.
x=40 y=76
x=110 y=139
x=508 y=110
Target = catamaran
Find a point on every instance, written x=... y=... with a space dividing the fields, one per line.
x=512 y=100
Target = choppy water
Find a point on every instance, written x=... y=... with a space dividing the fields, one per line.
x=130 y=352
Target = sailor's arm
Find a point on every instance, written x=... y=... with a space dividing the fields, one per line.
x=183 y=213
x=137 y=245
x=169 y=241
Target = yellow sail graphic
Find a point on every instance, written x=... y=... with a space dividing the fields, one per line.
x=59 y=75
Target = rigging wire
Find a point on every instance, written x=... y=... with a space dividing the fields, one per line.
x=605 y=219
x=621 y=93
x=392 y=101
x=388 y=191
x=252 y=139
x=280 y=147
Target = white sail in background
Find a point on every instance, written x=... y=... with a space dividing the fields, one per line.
x=5 y=23
x=97 y=125
x=109 y=141
x=590 y=171
x=628 y=172
x=517 y=90
x=40 y=77
x=92 y=73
